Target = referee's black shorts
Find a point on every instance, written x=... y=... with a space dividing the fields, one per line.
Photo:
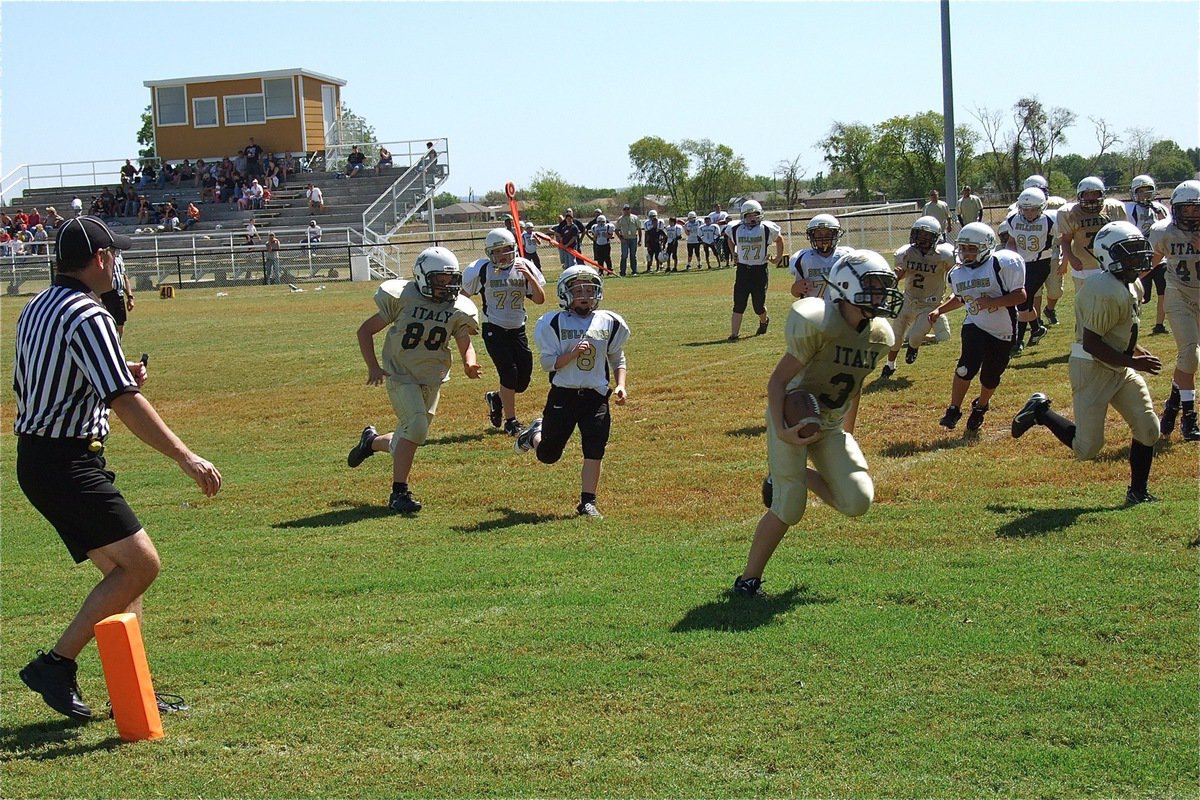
x=115 y=304
x=568 y=408
x=71 y=488
x=509 y=351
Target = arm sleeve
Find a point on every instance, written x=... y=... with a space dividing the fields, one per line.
x=95 y=348
x=616 y=344
x=547 y=342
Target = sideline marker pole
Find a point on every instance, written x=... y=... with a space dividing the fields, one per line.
x=127 y=675
x=510 y=190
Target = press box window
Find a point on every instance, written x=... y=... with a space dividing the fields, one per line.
x=280 y=97
x=204 y=112
x=245 y=109
x=172 y=105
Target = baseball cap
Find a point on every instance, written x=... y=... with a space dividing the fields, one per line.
x=626 y=206
x=80 y=238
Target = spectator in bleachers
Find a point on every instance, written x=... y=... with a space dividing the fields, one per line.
x=40 y=248
x=131 y=202
x=20 y=218
x=6 y=222
x=273 y=245
x=239 y=162
x=53 y=218
x=385 y=160
x=315 y=198
x=146 y=212
x=108 y=203
x=286 y=167
x=185 y=171
x=171 y=219
x=255 y=192
x=354 y=162
x=225 y=169
x=252 y=233
x=228 y=186
x=312 y=235
x=6 y=242
x=128 y=173
x=165 y=173
x=193 y=216
x=35 y=219
x=199 y=173
x=76 y=206
x=253 y=163
x=147 y=175
x=209 y=188
x=272 y=177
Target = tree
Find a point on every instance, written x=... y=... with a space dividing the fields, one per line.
x=792 y=174
x=551 y=194
x=659 y=165
x=1168 y=163
x=355 y=129
x=718 y=173
x=495 y=198
x=444 y=199
x=847 y=148
x=1105 y=137
x=145 y=136
x=1040 y=131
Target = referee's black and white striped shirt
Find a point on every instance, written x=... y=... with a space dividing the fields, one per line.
x=69 y=364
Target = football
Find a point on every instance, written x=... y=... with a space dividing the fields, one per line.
x=800 y=407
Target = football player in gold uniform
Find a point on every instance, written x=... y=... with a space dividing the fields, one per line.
x=1176 y=243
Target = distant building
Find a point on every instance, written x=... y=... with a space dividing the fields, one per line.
x=285 y=110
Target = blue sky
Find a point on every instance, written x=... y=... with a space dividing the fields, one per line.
x=518 y=87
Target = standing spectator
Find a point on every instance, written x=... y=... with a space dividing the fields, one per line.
x=354 y=162
x=253 y=155
x=749 y=242
x=128 y=173
x=629 y=230
x=430 y=309
x=567 y=234
x=273 y=245
x=119 y=298
x=692 y=226
x=69 y=371
x=504 y=282
x=429 y=160
x=938 y=209
x=990 y=283
x=530 y=241
x=970 y=208
x=1178 y=239
x=819 y=333
x=1105 y=362
x=385 y=160
x=583 y=348
x=76 y=206
x=251 y=233
x=315 y=198
x=193 y=216
x=602 y=232
x=654 y=237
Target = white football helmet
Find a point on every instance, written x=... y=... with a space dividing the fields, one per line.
x=691 y=215
x=1087 y=186
x=865 y=279
x=1146 y=186
x=751 y=213
x=527 y=225
x=1037 y=182
x=1031 y=199
x=572 y=286
x=500 y=246
x=1185 y=206
x=825 y=243
x=1121 y=248
x=437 y=274
x=652 y=213
x=978 y=235
x=924 y=234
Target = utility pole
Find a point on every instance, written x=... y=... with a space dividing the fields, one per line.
x=948 y=112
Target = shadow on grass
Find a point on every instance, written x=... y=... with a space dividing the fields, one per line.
x=46 y=741
x=1040 y=521
x=347 y=513
x=903 y=449
x=724 y=340
x=1020 y=363
x=510 y=518
x=457 y=438
x=734 y=613
x=892 y=384
x=749 y=432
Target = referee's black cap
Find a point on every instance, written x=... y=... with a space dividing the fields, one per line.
x=80 y=238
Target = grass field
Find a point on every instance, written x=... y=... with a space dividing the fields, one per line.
x=997 y=625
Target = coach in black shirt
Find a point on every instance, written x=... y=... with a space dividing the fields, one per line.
x=68 y=372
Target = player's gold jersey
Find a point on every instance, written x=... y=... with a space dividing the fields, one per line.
x=1181 y=257
x=1082 y=226
x=924 y=274
x=837 y=358
x=418 y=345
x=1107 y=306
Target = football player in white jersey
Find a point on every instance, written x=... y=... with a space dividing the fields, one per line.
x=426 y=314
x=809 y=266
x=504 y=281
x=832 y=346
x=749 y=241
x=674 y=231
x=1030 y=233
x=922 y=264
x=1176 y=244
x=602 y=234
x=583 y=348
x=710 y=234
x=530 y=241
x=1105 y=361
x=692 y=227
x=1143 y=211
x=990 y=283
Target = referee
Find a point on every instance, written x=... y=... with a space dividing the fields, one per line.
x=68 y=372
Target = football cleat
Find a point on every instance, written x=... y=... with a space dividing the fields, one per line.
x=495 y=408
x=1190 y=428
x=1037 y=334
x=404 y=503
x=524 y=442
x=910 y=355
x=887 y=372
x=362 y=451
x=513 y=427
x=1017 y=348
x=950 y=418
x=975 y=420
x=762 y=327
x=1159 y=328
x=588 y=509
x=768 y=491
x=1051 y=315
x=55 y=681
x=1135 y=497
x=1170 y=412
x=1029 y=414
x=747 y=587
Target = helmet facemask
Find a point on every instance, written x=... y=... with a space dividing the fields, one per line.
x=1186 y=216
x=444 y=286
x=1091 y=200
x=585 y=296
x=503 y=256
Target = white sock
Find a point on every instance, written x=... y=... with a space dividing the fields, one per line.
x=1187 y=395
x=891 y=363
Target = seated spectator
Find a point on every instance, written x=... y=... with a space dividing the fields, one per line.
x=54 y=219
x=385 y=160
x=147 y=175
x=239 y=161
x=266 y=194
x=166 y=173
x=76 y=206
x=273 y=173
x=193 y=216
x=131 y=202
x=6 y=242
x=255 y=194
x=209 y=184
x=312 y=235
x=185 y=171
x=171 y=219
x=6 y=221
x=40 y=248
x=354 y=162
x=145 y=211
x=251 y=232
x=128 y=173
x=315 y=198
x=200 y=171
x=20 y=218
x=286 y=167
x=228 y=187
x=225 y=169
x=35 y=219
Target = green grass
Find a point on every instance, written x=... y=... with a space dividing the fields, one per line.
x=997 y=625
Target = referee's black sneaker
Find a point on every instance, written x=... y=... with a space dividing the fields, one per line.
x=1134 y=497
x=404 y=503
x=362 y=451
x=747 y=587
x=55 y=682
